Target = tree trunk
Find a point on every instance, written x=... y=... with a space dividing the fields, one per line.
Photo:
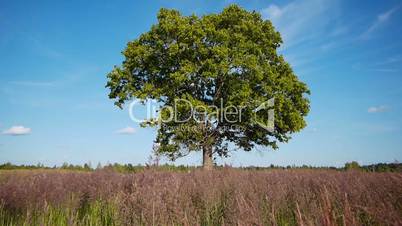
x=207 y=161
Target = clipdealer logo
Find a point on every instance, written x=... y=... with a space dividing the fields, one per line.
x=263 y=115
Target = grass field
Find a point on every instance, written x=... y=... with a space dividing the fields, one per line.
x=221 y=197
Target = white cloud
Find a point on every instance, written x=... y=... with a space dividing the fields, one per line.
x=300 y=21
x=378 y=109
x=17 y=130
x=381 y=19
x=126 y=130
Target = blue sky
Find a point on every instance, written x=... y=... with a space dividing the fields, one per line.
x=55 y=56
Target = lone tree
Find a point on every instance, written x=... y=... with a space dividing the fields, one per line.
x=220 y=68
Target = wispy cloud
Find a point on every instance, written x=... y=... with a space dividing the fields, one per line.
x=340 y=30
x=17 y=130
x=376 y=67
x=378 y=109
x=379 y=22
x=126 y=130
x=394 y=60
x=33 y=83
x=384 y=69
x=66 y=78
x=299 y=21
x=327 y=46
x=312 y=130
x=42 y=48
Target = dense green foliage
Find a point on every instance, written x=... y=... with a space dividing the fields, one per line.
x=221 y=60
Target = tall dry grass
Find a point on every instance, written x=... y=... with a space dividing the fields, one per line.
x=221 y=197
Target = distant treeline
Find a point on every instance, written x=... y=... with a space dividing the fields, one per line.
x=123 y=168
x=126 y=168
x=380 y=167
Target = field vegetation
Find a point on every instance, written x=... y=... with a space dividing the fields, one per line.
x=184 y=196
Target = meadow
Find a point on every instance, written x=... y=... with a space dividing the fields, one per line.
x=226 y=196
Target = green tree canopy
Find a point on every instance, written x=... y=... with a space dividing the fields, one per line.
x=225 y=59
